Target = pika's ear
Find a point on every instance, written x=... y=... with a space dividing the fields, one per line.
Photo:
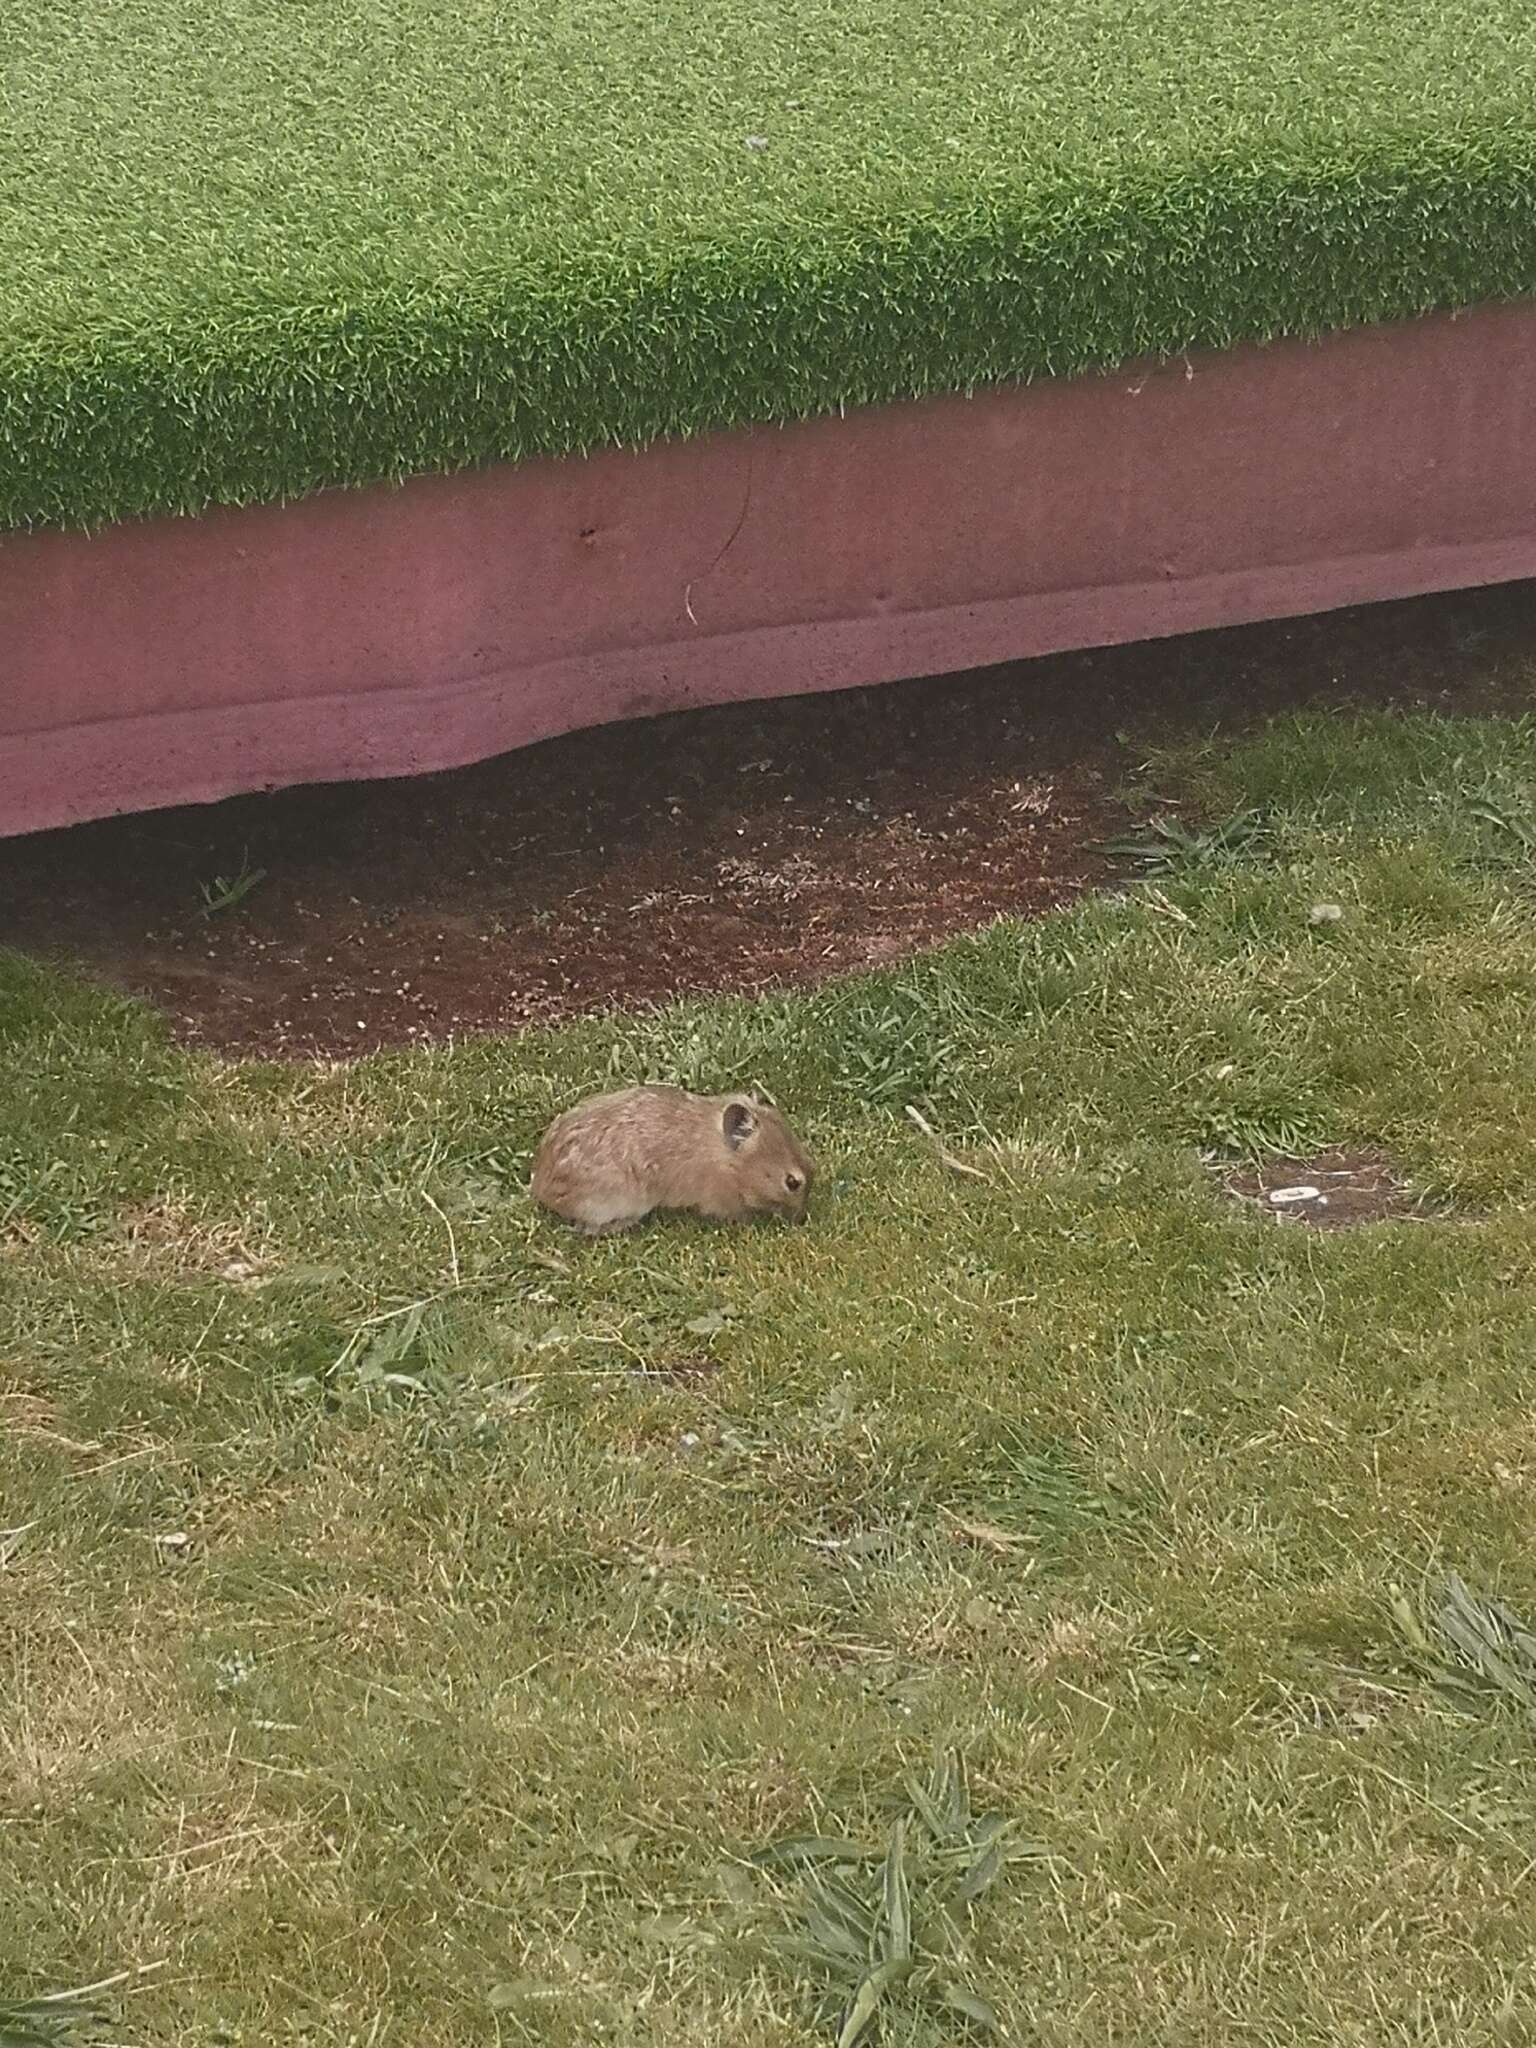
x=737 y=1123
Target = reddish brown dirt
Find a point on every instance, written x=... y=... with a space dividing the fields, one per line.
x=732 y=849
x=1331 y=1192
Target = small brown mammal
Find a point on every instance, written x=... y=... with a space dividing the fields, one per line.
x=607 y=1163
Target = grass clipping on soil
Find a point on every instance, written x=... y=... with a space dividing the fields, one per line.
x=249 y=252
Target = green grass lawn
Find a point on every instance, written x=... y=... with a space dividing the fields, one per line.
x=250 y=249
x=415 y=1621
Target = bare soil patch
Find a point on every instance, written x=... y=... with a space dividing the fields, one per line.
x=735 y=849
x=1331 y=1191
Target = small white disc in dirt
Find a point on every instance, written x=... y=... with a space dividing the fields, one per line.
x=1284 y=1198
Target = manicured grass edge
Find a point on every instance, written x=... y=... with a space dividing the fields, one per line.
x=628 y=344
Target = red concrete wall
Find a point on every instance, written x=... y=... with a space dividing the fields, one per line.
x=388 y=631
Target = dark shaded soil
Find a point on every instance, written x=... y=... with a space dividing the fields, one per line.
x=735 y=849
x=1331 y=1192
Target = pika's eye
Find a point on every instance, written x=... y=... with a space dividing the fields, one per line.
x=793 y=1182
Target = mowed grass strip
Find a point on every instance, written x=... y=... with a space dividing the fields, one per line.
x=416 y=1622
x=249 y=251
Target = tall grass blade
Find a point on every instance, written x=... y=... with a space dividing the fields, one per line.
x=898 y=1899
x=866 y=2004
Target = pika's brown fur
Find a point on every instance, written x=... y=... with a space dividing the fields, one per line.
x=607 y=1163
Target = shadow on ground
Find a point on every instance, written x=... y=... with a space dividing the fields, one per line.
x=733 y=849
